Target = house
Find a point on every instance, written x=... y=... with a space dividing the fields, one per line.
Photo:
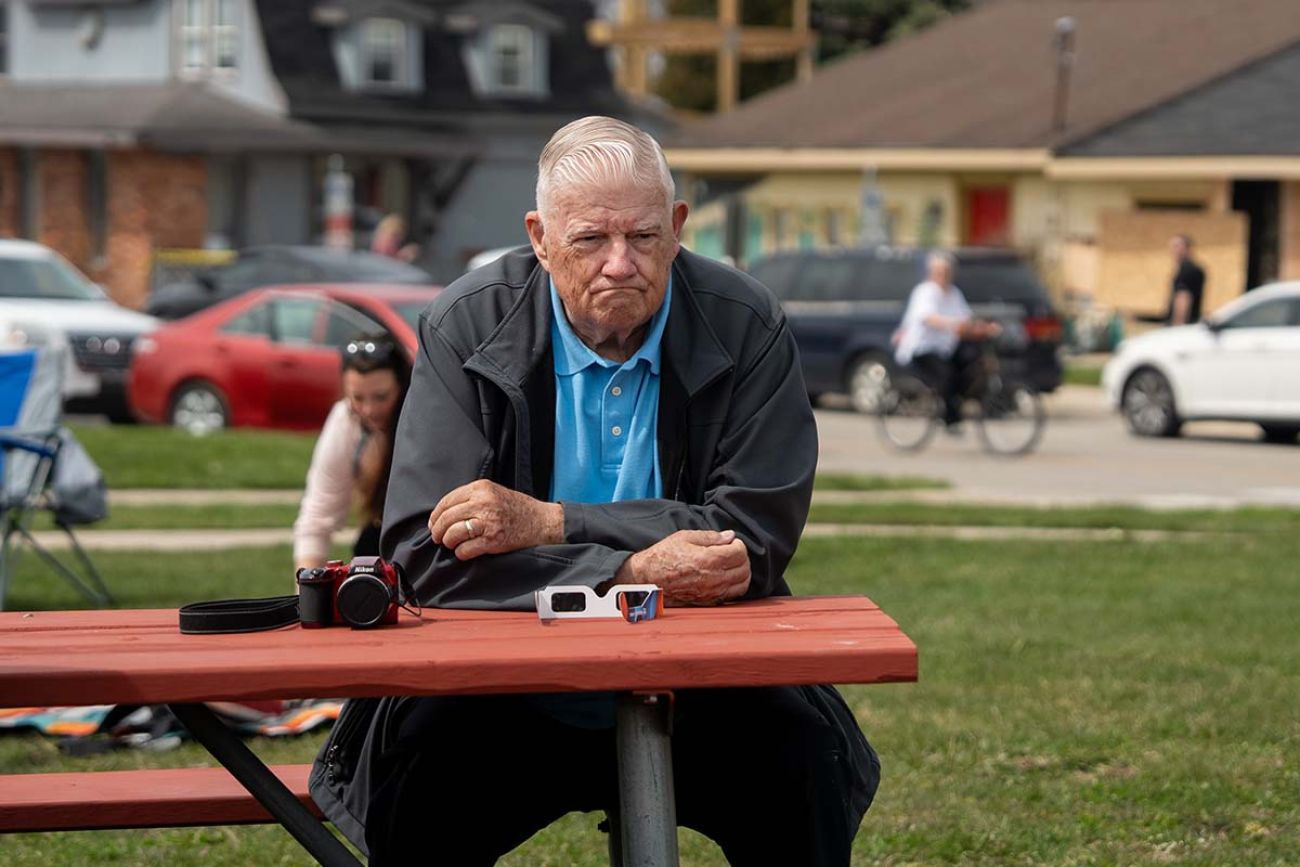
x=130 y=126
x=1084 y=132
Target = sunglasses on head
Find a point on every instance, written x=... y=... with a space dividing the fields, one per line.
x=366 y=349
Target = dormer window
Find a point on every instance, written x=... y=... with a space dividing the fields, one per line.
x=209 y=36
x=508 y=59
x=512 y=60
x=383 y=51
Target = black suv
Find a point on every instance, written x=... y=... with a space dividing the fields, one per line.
x=844 y=306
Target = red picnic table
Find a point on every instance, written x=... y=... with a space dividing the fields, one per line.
x=140 y=657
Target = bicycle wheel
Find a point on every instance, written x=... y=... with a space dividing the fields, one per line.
x=1011 y=417
x=908 y=413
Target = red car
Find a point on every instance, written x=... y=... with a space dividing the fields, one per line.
x=269 y=358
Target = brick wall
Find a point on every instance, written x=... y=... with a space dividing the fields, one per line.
x=154 y=200
x=62 y=211
x=8 y=193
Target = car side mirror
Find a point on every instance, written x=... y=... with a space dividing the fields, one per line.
x=1213 y=325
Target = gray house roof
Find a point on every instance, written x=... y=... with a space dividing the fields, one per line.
x=986 y=78
x=188 y=116
x=1254 y=110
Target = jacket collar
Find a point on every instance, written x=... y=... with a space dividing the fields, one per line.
x=513 y=350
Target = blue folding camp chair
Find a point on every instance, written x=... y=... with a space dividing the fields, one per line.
x=36 y=451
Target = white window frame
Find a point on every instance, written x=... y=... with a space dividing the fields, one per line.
x=524 y=41
x=382 y=34
x=217 y=27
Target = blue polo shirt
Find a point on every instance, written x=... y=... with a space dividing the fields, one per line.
x=606 y=416
x=606 y=450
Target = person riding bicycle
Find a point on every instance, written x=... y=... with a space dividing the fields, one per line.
x=937 y=335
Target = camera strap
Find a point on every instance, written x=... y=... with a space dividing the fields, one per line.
x=239 y=615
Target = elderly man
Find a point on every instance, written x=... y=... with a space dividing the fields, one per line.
x=935 y=323
x=603 y=408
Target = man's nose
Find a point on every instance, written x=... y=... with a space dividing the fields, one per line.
x=619 y=264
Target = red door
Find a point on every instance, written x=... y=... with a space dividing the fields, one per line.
x=988 y=216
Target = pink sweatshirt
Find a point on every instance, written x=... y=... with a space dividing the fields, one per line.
x=331 y=481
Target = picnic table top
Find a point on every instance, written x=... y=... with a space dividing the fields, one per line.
x=140 y=656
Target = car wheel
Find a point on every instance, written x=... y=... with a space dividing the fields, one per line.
x=868 y=382
x=1280 y=433
x=1148 y=405
x=199 y=408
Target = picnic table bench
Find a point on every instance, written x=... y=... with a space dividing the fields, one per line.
x=140 y=657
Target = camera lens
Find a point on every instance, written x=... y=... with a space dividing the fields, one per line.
x=363 y=601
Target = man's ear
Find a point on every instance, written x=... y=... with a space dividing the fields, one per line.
x=536 y=232
x=680 y=210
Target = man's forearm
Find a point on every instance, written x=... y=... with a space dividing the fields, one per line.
x=1182 y=307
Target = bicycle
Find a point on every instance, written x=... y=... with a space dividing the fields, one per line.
x=1010 y=418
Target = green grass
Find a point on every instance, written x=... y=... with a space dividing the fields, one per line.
x=1247 y=520
x=1079 y=703
x=218 y=516
x=143 y=456
x=856 y=482
x=1082 y=374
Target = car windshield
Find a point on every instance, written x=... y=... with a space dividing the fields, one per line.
x=990 y=280
x=44 y=278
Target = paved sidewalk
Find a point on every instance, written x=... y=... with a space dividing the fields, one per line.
x=217 y=540
x=182 y=497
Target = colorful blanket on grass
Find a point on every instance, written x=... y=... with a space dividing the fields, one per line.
x=151 y=726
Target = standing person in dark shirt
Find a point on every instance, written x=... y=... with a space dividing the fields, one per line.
x=1188 y=284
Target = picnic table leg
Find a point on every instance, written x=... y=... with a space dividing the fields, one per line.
x=647 y=811
x=226 y=747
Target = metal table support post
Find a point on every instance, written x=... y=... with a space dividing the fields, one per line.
x=647 y=810
x=226 y=747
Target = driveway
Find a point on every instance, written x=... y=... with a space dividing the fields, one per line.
x=1086 y=456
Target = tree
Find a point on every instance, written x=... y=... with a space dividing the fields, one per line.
x=687 y=81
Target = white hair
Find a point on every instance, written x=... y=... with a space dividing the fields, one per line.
x=941 y=256
x=597 y=150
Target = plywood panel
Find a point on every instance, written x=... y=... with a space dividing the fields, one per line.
x=1135 y=267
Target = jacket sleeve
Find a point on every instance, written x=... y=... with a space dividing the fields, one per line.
x=759 y=479
x=440 y=445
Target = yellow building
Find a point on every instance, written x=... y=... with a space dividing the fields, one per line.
x=1081 y=132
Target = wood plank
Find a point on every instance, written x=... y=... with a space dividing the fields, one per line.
x=140 y=656
x=170 y=798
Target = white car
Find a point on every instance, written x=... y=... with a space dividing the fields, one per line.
x=46 y=301
x=1242 y=363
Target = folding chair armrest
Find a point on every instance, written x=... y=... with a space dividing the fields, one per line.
x=44 y=444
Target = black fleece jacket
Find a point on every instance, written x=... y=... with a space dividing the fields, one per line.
x=737 y=439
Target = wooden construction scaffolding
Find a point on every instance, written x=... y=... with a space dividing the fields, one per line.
x=636 y=35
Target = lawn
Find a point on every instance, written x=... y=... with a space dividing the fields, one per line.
x=1082 y=703
x=1080 y=373
x=1246 y=520
x=144 y=456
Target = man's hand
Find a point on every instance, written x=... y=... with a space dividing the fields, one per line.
x=693 y=567
x=486 y=518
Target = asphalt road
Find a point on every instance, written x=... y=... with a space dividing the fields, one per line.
x=1086 y=456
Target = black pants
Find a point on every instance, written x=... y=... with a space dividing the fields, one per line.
x=949 y=376
x=470 y=778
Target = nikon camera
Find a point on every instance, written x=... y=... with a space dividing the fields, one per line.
x=362 y=594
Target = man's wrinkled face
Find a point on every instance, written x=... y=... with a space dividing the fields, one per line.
x=609 y=248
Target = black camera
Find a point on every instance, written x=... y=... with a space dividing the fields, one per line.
x=365 y=593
